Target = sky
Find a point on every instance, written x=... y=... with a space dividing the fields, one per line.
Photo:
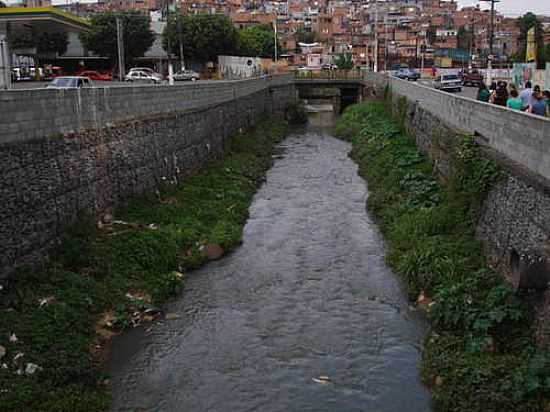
x=514 y=7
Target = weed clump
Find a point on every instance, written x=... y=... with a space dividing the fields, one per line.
x=97 y=280
x=480 y=355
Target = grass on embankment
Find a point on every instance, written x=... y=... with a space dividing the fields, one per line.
x=480 y=355
x=53 y=313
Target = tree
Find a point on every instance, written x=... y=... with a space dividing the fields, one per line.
x=303 y=36
x=102 y=38
x=525 y=23
x=257 y=41
x=45 y=43
x=465 y=39
x=204 y=36
x=344 y=61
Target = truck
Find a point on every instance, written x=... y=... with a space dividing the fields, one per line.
x=472 y=77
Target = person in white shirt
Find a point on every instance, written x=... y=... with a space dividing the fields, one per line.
x=526 y=95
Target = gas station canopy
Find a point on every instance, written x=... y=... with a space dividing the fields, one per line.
x=41 y=19
x=44 y=19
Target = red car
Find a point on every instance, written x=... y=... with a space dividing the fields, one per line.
x=97 y=76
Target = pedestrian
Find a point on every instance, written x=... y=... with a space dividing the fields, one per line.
x=434 y=72
x=493 y=91
x=539 y=106
x=501 y=94
x=514 y=102
x=483 y=94
x=546 y=94
x=526 y=95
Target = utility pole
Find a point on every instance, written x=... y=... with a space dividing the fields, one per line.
x=386 y=42
x=492 y=28
x=376 y=36
x=275 y=38
x=473 y=39
x=491 y=39
x=120 y=49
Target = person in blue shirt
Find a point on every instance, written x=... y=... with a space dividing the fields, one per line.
x=539 y=106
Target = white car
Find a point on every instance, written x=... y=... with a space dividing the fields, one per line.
x=70 y=82
x=449 y=82
x=187 y=75
x=143 y=76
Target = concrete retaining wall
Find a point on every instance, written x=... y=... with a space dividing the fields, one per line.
x=118 y=143
x=514 y=223
x=35 y=113
x=522 y=138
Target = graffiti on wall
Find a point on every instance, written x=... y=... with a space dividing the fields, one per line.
x=523 y=72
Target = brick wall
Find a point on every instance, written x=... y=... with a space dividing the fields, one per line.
x=115 y=144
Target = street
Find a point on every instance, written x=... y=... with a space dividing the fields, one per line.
x=467 y=91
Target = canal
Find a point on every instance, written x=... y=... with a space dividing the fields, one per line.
x=304 y=316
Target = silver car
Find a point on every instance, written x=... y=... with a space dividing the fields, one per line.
x=142 y=76
x=70 y=82
x=449 y=82
x=183 y=75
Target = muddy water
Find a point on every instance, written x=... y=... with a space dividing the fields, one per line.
x=308 y=295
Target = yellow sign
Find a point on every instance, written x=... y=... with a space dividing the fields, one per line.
x=531 y=54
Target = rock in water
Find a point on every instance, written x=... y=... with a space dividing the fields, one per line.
x=213 y=251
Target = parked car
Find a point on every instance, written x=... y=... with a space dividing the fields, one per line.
x=397 y=67
x=472 y=77
x=183 y=75
x=147 y=70
x=140 y=76
x=449 y=82
x=407 y=74
x=95 y=75
x=70 y=82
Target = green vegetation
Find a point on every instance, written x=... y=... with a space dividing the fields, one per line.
x=344 y=61
x=100 y=277
x=204 y=36
x=258 y=41
x=136 y=32
x=45 y=43
x=480 y=355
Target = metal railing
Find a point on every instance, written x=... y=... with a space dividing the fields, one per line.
x=329 y=75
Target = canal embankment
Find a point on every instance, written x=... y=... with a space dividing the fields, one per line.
x=481 y=354
x=57 y=320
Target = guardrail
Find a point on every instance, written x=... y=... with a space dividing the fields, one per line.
x=329 y=75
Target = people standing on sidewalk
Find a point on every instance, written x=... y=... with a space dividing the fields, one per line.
x=483 y=94
x=501 y=94
x=539 y=106
x=514 y=102
x=526 y=95
x=546 y=94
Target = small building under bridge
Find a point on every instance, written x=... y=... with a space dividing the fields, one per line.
x=40 y=19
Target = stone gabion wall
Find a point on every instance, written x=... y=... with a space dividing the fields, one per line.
x=47 y=182
x=514 y=224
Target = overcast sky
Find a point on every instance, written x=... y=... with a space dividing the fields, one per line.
x=508 y=7
x=514 y=7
